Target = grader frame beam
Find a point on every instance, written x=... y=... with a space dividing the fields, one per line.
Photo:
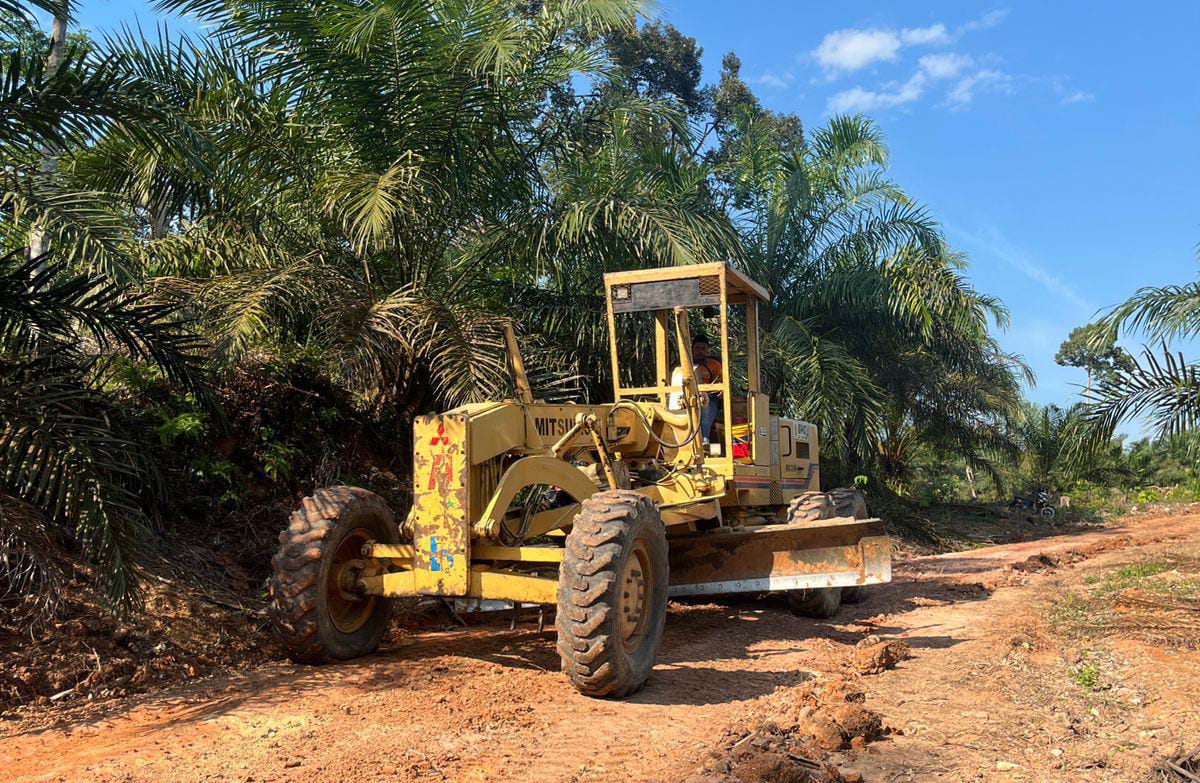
x=837 y=552
x=484 y=583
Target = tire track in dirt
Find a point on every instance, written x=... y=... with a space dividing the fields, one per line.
x=489 y=704
x=989 y=695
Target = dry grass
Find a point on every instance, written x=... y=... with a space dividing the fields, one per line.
x=1159 y=618
x=1155 y=601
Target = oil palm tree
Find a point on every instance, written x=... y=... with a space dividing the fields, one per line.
x=1057 y=449
x=66 y=456
x=870 y=310
x=384 y=180
x=1162 y=386
x=65 y=446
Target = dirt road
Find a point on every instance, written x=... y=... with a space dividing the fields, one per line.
x=989 y=693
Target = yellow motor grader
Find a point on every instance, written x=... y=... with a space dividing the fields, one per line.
x=603 y=511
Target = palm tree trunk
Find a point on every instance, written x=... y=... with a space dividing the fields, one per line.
x=49 y=165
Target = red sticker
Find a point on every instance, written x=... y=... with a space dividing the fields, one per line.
x=441 y=473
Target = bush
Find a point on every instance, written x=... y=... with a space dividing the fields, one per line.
x=940 y=490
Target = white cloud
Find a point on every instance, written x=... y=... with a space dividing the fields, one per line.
x=986 y=80
x=944 y=66
x=1078 y=96
x=774 y=80
x=990 y=19
x=849 y=50
x=991 y=240
x=931 y=67
x=852 y=49
x=918 y=36
x=856 y=99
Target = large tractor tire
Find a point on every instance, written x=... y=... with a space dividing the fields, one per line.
x=811 y=507
x=820 y=602
x=849 y=502
x=315 y=610
x=612 y=594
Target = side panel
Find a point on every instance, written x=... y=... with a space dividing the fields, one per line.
x=799 y=465
x=496 y=430
x=760 y=428
x=441 y=531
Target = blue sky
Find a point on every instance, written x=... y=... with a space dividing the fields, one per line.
x=1056 y=141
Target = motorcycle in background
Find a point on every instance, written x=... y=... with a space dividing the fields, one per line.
x=1036 y=503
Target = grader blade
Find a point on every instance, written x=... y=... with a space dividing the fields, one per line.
x=840 y=552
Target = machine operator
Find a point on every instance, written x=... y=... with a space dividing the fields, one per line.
x=708 y=370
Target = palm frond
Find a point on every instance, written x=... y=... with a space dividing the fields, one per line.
x=60 y=452
x=43 y=308
x=1166 y=391
x=1159 y=313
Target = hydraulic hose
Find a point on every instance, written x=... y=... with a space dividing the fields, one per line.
x=695 y=428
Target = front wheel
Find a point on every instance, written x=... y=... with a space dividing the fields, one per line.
x=1047 y=513
x=612 y=594
x=315 y=609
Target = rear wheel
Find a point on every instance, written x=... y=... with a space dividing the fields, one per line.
x=612 y=594
x=812 y=507
x=822 y=602
x=849 y=502
x=315 y=608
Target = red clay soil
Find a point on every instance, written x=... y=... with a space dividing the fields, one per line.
x=982 y=687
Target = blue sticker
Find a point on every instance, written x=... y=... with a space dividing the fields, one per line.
x=438 y=561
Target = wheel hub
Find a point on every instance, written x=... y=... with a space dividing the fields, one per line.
x=634 y=586
x=349 y=609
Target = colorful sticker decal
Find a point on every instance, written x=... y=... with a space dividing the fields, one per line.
x=438 y=560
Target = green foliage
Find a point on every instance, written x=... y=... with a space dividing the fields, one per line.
x=1098 y=354
x=1058 y=450
x=657 y=61
x=942 y=490
x=368 y=190
x=276 y=457
x=20 y=33
x=1071 y=609
x=1089 y=676
x=1128 y=576
x=223 y=476
x=1165 y=391
x=1165 y=461
x=70 y=324
x=65 y=442
x=183 y=426
x=1162 y=387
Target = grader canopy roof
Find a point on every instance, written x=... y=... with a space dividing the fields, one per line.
x=687 y=286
